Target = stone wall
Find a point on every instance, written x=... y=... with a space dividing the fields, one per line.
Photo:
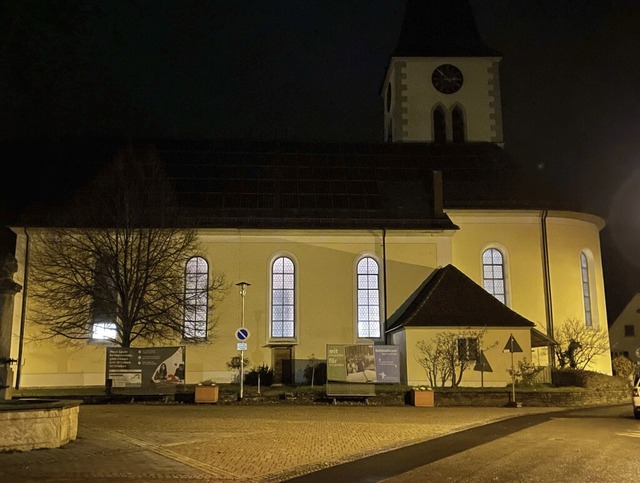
x=26 y=426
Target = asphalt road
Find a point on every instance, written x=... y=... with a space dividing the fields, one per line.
x=599 y=445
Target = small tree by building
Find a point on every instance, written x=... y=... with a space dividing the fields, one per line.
x=449 y=355
x=579 y=344
x=235 y=363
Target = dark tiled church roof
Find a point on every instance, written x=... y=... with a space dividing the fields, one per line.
x=311 y=185
x=448 y=298
x=440 y=28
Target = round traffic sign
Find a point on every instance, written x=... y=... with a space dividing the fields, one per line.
x=242 y=334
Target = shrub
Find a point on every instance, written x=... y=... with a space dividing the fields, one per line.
x=233 y=364
x=587 y=379
x=526 y=372
x=623 y=367
x=263 y=372
x=319 y=374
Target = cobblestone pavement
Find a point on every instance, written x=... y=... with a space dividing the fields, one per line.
x=261 y=443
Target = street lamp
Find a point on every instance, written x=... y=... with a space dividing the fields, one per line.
x=243 y=291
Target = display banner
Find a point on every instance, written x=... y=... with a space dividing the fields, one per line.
x=145 y=370
x=362 y=363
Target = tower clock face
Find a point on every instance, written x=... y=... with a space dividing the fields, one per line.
x=447 y=78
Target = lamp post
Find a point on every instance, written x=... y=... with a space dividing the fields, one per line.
x=243 y=291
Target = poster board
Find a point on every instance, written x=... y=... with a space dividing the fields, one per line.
x=363 y=363
x=145 y=370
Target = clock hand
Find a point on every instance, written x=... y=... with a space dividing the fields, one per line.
x=443 y=74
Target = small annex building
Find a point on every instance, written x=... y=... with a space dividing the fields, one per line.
x=450 y=302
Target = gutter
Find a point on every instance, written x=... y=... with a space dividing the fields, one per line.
x=23 y=313
x=546 y=278
x=384 y=275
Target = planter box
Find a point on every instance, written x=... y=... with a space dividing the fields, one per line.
x=422 y=398
x=206 y=394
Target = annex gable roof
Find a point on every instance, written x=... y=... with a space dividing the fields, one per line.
x=448 y=298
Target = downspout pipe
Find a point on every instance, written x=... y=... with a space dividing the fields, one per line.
x=23 y=312
x=384 y=276
x=548 y=302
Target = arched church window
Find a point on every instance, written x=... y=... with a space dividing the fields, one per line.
x=368 y=298
x=457 y=125
x=196 y=298
x=586 y=290
x=439 y=126
x=493 y=279
x=283 y=298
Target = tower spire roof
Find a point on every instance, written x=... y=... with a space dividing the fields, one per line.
x=440 y=28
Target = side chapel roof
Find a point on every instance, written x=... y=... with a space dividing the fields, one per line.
x=448 y=298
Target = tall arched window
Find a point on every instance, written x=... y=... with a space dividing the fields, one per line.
x=368 y=298
x=104 y=307
x=586 y=290
x=439 y=126
x=283 y=298
x=457 y=125
x=493 y=274
x=196 y=302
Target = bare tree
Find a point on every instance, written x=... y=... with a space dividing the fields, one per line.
x=449 y=355
x=579 y=344
x=118 y=255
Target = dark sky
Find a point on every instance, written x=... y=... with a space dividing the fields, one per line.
x=312 y=70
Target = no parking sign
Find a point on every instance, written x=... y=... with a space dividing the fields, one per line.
x=242 y=334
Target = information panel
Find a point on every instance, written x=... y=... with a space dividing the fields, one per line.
x=360 y=363
x=145 y=370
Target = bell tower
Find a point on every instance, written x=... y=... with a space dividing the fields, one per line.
x=442 y=84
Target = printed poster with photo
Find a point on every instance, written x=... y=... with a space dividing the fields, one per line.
x=145 y=370
x=361 y=363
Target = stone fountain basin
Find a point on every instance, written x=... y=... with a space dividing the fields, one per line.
x=30 y=423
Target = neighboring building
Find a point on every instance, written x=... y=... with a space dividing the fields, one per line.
x=624 y=333
x=341 y=241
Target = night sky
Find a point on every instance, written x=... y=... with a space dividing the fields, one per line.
x=312 y=70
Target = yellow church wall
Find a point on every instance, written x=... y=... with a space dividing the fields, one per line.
x=518 y=235
x=494 y=341
x=326 y=299
x=568 y=237
x=326 y=288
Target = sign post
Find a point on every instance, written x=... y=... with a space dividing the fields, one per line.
x=513 y=346
x=242 y=334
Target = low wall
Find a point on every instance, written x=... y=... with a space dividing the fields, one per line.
x=28 y=424
x=570 y=398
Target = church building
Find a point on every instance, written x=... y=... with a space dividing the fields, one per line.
x=435 y=229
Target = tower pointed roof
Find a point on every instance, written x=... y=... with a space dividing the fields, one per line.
x=440 y=28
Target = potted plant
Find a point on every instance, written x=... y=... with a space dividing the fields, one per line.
x=422 y=396
x=206 y=392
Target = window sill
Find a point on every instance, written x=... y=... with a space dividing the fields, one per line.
x=281 y=343
x=195 y=341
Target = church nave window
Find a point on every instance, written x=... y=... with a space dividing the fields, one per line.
x=368 y=298
x=493 y=278
x=586 y=290
x=283 y=298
